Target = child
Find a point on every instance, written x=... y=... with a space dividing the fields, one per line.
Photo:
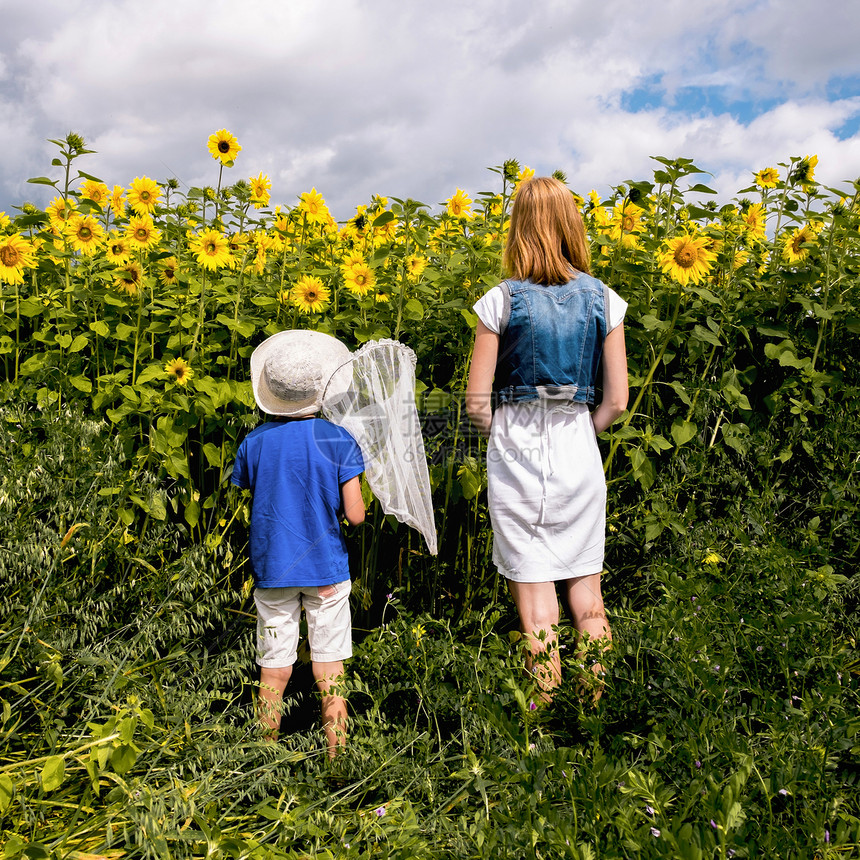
x=304 y=473
x=540 y=339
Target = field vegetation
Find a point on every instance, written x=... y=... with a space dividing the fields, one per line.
x=730 y=723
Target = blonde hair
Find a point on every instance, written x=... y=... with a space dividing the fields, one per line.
x=546 y=238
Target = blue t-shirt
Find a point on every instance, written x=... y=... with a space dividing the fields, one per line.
x=295 y=470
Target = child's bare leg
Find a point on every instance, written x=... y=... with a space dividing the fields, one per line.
x=537 y=605
x=270 y=700
x=589 y=616
x=327 y=676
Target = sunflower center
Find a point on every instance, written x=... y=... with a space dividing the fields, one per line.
x=223 y=147
x=117 y=249
x=686 y=256
x=85 y=234
x=141 y=234
x=9 y=256
x=210 y=248
x=628 y=223
x=311 y=295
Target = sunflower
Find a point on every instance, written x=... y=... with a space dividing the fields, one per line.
x=264 y=243
x=804 y=173
x=385 y=233
x=143 y=195
x=602 y=218
x=142 y=233
x=16 y=254
x=179 y=369
x=212 y=250
x=117 y=248
x=415 y=265
x=224 y=147
x=260 y=186
x=348 y=235
x=58 y=212
x=309 y=295
x=767 y=177
x=237 y=243
x=96 y=191
x=359 y=279
x=793 y=243
x=353 y=258
x=739 y=259
x=754 y=220
x=312 y=206
x=85 y=234
x=687 y=259
x=459 y=206
x=117 y=201
x=358 y=223
x=626 y=223
x=128 y=278
x=168 y=271
x=260 y=260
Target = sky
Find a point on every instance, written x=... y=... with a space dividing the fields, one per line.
x=415 y=99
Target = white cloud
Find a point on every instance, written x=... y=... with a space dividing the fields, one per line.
x=416 y=100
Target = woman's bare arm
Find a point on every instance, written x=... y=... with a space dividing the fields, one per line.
x=615 y=391
x=481 y=371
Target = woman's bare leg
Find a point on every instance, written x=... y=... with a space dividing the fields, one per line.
x=537 y=605
x=585 y=599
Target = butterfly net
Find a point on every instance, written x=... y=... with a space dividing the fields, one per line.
x=372 y=396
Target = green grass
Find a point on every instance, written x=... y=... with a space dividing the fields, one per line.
x=729 y=722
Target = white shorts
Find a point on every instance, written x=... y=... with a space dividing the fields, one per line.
x=279 y=612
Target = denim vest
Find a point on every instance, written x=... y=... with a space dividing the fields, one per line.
x=551 y=340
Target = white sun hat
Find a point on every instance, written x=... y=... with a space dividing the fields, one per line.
x=291 y=369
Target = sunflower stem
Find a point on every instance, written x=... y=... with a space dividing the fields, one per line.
x=824 y=299
x=137 y=336
x=201 y=308
x=403 y=276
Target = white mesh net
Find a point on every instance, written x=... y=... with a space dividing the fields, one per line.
x=378 y=410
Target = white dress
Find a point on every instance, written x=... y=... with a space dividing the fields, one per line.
x=546 y=488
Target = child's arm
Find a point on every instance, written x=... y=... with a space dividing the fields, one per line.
x=353 y=503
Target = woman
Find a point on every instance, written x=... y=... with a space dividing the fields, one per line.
x=542 y=338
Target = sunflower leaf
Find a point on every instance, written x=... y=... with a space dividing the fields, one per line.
x=82 y=175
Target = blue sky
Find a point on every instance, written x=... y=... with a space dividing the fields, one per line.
x=416 y=100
